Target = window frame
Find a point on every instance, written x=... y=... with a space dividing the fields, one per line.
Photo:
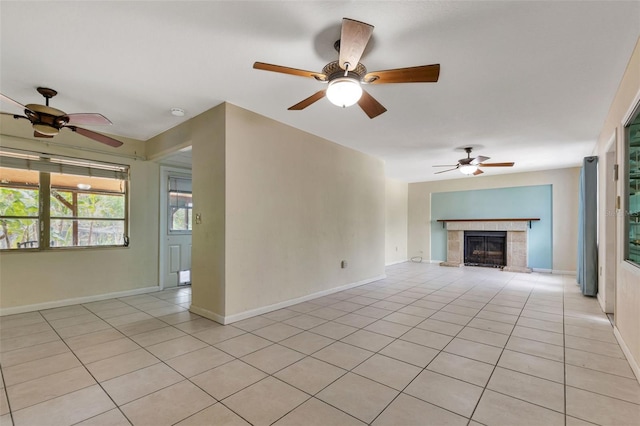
x=45 y=192
x=37 y=217
x=171 y=231
x=631 y=218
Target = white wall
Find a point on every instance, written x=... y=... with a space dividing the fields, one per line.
x=35 y=280
x=296 y=206
x=397 y=202
x=627 y=291
x=208 y=238
x=565 y=209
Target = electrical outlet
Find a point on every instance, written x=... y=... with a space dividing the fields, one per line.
x=198 y=218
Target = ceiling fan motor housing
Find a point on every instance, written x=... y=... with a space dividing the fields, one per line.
x=333 y=70
x=46 y=120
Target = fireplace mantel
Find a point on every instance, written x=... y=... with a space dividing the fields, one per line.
x=516 y=229
x=517 y=219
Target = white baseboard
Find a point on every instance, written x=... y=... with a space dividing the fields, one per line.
x=601 y=302
x=264 y=309
x=434 y=261
x=207 y=314
x=396 y=262
x=75 y=301
x=625 y=349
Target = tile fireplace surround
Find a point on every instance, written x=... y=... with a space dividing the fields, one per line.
x=516 y=240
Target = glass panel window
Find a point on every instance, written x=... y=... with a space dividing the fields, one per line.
x=86 y=211
x=49 y=201
x=633 y=189
x=180 y=204
x=82 y=233
x=19 y=204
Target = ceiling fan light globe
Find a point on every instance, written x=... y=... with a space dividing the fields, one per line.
x=468 y=169
x=46 y=130
x=344 y=91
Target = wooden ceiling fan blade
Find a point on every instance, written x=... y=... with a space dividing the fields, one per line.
x=478 y=172
x=419 y=74
x=287 y=70
x=496 y=164
x=479 y=159
x=370 y=105
x=98 y=137
x=87 y=119
x=11 y=101
x=353 y=40
x=306 y=102
x=444 y=171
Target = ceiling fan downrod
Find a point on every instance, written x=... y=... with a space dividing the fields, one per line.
x=47 y=93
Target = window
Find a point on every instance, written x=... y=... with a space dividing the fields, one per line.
x=180 y=205
x=19 y=201
x=49 y=202
x=632 y=244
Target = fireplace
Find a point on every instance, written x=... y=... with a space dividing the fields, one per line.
x=514 y=246
x=485 y=248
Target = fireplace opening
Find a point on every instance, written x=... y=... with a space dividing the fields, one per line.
x=485 y=248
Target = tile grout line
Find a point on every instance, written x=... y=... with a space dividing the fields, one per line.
x=564 y=353
x=495 y=366
x=373 y=353
x=161 y=361
x=92 y=376
x=6 y=391
x=439 y=352
x=89 y=372
x=177 y=372
x=397 y=292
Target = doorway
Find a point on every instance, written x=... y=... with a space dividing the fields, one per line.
x=176 y=220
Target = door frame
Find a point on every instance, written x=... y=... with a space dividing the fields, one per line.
x=608 y=266
x=165 y=173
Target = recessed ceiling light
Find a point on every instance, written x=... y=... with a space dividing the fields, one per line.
x=178 y=112
x=83 y=186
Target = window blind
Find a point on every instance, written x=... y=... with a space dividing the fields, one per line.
x=180 y=185
x=53 y=164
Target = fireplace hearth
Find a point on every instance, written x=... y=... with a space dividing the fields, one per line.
x=485 y=248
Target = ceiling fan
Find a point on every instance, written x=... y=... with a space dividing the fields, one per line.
x=47 y=122
x=471 y=166
x=346 y=76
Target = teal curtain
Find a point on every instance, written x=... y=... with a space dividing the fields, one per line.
x=588 y=228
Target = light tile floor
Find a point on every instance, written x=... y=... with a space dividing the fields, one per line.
x=427 y=345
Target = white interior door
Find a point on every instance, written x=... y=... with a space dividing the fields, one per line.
x=175 y=227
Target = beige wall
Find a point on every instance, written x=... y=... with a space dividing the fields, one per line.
x=208 y=237
x=296 y=206
x=170 y=141
x=627 y=291
x=565 y=209
x=397 y=197
x=52 y=277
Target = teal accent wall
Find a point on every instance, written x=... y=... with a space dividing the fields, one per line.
x=521 y=201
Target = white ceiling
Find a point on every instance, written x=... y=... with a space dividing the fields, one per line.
x=529 y=82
